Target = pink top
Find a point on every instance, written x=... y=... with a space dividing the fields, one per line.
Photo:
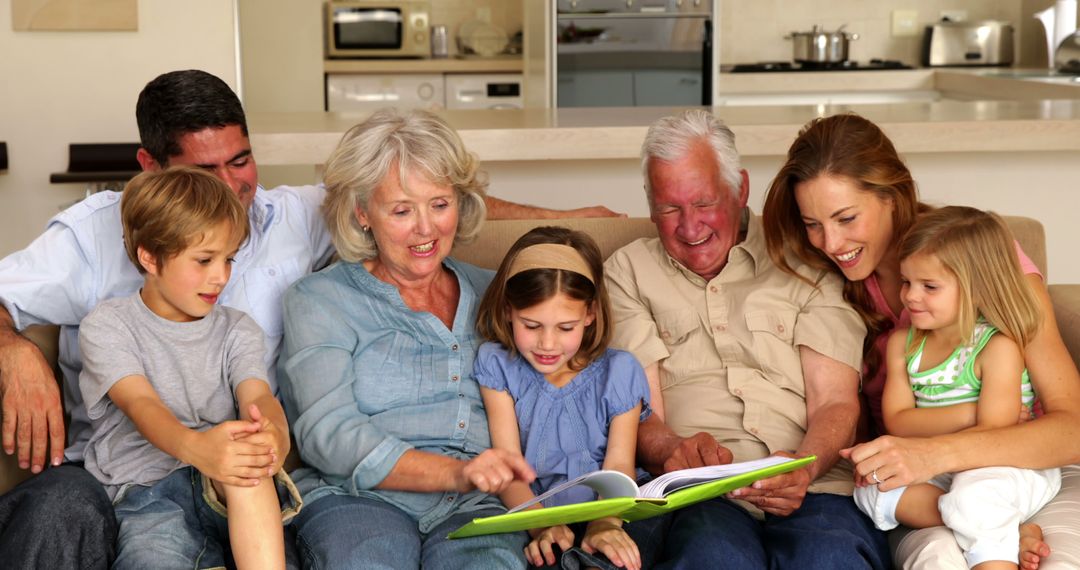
x=874 y=387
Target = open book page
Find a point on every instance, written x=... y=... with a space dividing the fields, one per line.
x=668 y=483
x=607 y=484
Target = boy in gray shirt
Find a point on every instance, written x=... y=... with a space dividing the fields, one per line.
x=166 y=373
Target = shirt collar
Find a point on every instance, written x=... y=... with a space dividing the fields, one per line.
x=750 y=248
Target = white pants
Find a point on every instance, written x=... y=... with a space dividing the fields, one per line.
x=983 y=507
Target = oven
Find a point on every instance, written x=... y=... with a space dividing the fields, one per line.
x=378 y=28
x=633 y=53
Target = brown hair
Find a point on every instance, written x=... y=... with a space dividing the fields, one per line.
x=978 y=249
x=165 y=212
x=533 y=286
x=850 y=146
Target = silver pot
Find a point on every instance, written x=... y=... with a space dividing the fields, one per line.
x=819 y=46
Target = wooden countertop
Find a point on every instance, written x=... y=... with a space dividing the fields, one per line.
x=1030 y=124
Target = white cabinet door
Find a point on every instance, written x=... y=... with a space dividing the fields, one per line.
x=362 y=92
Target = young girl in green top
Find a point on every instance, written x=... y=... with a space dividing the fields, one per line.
x=961 y=367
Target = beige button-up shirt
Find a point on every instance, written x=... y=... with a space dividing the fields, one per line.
x=728 y=348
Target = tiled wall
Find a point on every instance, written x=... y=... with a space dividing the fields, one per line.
x=505 y=14
x=753 y=30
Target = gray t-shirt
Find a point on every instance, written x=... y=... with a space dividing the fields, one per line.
x=194 y=367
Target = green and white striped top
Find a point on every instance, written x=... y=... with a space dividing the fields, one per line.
x=953 y=381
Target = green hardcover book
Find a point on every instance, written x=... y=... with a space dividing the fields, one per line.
x=624 y=499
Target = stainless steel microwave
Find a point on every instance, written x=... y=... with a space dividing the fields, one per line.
x=378 y=28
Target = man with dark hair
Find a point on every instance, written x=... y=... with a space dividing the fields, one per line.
x=62 y=518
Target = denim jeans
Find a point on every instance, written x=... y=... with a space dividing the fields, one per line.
x=828 y=531
x=340 y=532
x=60 y=518
x=170 y=525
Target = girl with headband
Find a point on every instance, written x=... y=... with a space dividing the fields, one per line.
x=553 y=389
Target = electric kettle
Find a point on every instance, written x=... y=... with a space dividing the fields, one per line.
x=1067 y=55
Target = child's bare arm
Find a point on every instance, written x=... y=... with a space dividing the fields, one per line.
x=898 y=409
x=503 y=426
x=268 y=413
x=999 y=366
x=606 y=534
x=215 y=452
x=622 y=442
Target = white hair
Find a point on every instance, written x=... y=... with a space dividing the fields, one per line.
x=671 y=138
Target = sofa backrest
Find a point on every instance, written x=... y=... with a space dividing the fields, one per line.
x=497 y=236
x=610 y=234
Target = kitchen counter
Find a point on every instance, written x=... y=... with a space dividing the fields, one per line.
x=1038 y=115
x=497 y=64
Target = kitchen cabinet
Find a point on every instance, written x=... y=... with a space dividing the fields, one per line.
x=629 y=88
x=596 y=89
x=667 y=87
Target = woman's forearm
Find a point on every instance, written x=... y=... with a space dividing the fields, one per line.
x=423 y=472
x=1050 y=441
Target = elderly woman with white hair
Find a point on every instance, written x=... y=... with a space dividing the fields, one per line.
x=378 y=358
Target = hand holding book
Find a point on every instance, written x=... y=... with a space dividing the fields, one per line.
x=624 y=499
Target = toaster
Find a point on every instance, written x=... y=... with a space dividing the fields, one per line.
x=989 y=42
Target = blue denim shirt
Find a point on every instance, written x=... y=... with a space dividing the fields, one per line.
x=365 y=378
x=80 y=261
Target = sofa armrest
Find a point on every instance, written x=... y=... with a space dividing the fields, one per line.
x=47 y=339
x=1066 y=300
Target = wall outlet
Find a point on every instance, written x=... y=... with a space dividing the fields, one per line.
x=954 y=15
x=483 y=13
x=905 y=23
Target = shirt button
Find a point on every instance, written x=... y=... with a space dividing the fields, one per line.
x=720 y=328
x=461 y=425
x=738 y=391
x=453 y=347
x=779 y=328
x=454 y=378
x=713 y=289
x=754 y=431
x=665 y=334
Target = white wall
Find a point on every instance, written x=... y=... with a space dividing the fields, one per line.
x=1037 y=185
x=67 y=87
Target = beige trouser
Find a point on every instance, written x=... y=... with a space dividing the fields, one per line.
x=934 y=548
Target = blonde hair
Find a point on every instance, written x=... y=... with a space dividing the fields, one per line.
x=165 y=212
x=389 y=143
x=536 y=285
x=978 y=249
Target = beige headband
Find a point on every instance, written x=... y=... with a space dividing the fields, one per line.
x=550 y=256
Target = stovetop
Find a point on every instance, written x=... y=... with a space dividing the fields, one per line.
x=781 y=66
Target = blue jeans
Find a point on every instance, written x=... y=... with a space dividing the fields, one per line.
x=60 y=518
x=170 y=525
x=828 y=531
x=339 y=532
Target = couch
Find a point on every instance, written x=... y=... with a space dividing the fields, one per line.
x=612 y=233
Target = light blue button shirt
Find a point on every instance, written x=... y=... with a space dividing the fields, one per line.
x=80 y=260
x=365 y=379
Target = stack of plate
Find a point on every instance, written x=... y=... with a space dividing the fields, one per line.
x=481 y=38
